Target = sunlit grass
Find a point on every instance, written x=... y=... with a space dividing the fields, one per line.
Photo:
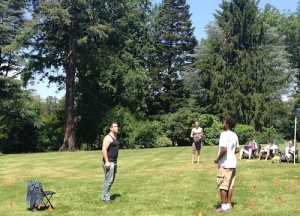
x=149 y=182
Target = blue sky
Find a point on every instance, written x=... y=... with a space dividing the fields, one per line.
x=202 y=13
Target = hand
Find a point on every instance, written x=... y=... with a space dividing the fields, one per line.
x=107 y=165
x=216 y=160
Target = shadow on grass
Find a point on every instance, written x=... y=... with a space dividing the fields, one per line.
x=42 y=208
x=115 y=196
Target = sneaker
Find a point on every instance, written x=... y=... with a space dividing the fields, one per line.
x=220 y=209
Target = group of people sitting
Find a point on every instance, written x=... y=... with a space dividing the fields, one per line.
x=269 y=150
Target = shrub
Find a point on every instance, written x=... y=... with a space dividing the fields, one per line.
x=177 y=126
x=163 y=141
x=126 y=121
x=145 y=134
x=267 y=133
x=212 y=129
x=245 y=133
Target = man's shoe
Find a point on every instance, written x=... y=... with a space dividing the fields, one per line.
x=220 y=209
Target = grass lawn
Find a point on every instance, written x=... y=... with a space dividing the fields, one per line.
x=149 y=182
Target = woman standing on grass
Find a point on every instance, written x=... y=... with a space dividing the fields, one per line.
x=196 y=134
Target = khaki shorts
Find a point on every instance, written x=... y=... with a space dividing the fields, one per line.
x=226 y=178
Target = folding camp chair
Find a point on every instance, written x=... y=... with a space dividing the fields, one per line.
x=48 y=195
x=36 y=194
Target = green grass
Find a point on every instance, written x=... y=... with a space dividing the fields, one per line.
x=149 y=182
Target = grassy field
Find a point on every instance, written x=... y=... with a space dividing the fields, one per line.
x=149 y=182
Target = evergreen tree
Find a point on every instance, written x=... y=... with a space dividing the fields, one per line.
x=98 y=44
x=239 y=66
x=113 y=69
x=11 y=21
x=174 y=44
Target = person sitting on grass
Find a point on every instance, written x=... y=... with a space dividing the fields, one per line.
x=267 y=149
x=289 y=151
x=252 y=146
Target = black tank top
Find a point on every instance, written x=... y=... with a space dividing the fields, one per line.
x=113 y=150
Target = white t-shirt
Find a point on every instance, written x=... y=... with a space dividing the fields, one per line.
x=230 y=140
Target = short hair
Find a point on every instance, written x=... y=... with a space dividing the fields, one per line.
x=109 y=125
x=230 y=122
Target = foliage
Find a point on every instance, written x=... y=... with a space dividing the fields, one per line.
x=19 y=112
x=126 y=121
x=212 y=129
x=245 y=133
x=268 y=133
x=242 y=66
x=146 y=134
x=12 y=21
x=162 y=141
x=50 y=131
x=177 y=126
x=174 y=43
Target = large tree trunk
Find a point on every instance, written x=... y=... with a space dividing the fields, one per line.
x=70 y=123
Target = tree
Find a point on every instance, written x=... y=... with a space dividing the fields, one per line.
x=242 y=66
x=19 y=111
x=11 y=19
x=103 y=54
x=174 y=45
x=56 y=41
x=112 y=69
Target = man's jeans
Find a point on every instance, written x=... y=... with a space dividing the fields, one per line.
x=110 y=175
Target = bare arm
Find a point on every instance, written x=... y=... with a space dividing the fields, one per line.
x=105 y=145
x=237 y=150
x=192 y=133
x=222 y=153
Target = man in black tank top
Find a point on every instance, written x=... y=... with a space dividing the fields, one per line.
x=110 y=150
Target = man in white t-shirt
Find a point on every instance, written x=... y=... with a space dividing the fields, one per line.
x=226 y=160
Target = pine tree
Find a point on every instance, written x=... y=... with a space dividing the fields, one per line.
x=11 y=21
x=174 y=44
x=239 y=68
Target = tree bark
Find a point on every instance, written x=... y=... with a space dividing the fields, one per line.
x=69 y=143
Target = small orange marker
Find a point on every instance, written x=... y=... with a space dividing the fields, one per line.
x=279 y=198
x=251 y=203
x=254 y=186
x=276 y=182
x=49 y=208
x=11 y=204
x=287 y=187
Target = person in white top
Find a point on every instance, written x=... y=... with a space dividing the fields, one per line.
x=226 y=160
x=196 y=134
x=289 y=151
x=267 y=149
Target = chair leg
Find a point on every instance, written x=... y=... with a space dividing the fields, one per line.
x=48 y=201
